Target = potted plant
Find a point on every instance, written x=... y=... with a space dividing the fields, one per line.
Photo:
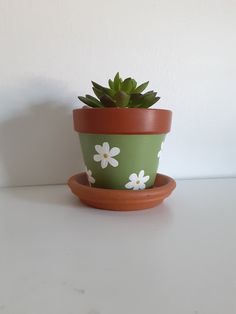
x=120 y=136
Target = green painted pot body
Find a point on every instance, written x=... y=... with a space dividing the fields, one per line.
x=120 y=161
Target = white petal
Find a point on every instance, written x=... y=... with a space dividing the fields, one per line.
x=133 y=177
x=136 y=187
x=89 y=172
x=113 y=162
x=159 y=153
x=99 y=149
x=142 y=186
x=114 y=151
x=97 y=158
x=145 y=179
x=141 y=174
x=92 y=180
x=129 y=185
x=104 y=163
x=106 y=148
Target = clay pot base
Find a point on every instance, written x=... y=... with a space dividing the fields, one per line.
x=121 y=200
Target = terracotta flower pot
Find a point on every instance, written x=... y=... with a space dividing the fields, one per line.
x=121 y=146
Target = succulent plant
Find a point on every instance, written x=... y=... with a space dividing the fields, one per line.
x=120 y=93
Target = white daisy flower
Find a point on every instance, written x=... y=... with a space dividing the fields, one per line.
x=91 y=179
x=105 y=155
x=137 y=182
x=159 y=153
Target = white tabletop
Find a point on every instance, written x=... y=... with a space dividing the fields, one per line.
x=60 y=257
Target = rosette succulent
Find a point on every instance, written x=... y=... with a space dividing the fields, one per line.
x=120 y=93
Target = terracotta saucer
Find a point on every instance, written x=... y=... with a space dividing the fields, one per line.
x=121 y=200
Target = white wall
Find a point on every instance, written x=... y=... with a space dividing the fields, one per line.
x=50 y=50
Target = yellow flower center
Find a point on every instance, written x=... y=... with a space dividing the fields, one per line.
x=137 y=182
x=105 y=155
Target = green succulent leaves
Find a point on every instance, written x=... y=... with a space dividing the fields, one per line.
x=120 y=93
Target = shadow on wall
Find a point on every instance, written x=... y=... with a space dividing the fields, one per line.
x=37 y=143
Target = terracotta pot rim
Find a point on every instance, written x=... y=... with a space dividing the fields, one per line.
x=120 y=108
x=122 y=120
